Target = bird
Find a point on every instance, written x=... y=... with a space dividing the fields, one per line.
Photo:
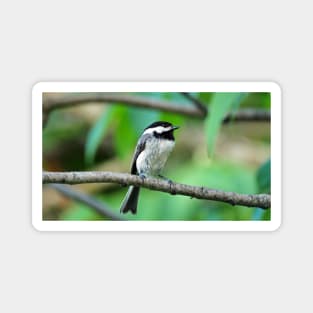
x=152 y=151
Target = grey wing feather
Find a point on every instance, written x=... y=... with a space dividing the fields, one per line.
x=139 y=148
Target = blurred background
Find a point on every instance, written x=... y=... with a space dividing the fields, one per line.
x=100 y=136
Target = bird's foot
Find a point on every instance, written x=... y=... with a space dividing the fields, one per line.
x=170 y=182
x=142 y=176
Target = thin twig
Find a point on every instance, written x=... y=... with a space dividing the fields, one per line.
x=259 y=200
x=196 y=102
x=243 y=115
x=78 y=196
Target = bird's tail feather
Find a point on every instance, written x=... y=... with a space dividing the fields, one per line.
x=130 y=201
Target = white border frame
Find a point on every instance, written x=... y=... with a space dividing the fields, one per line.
x=276 y=149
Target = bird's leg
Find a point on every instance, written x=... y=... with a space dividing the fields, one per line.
x=170 y=183
x=142 y=176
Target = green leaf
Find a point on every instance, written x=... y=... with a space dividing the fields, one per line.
x=264 y=177
x=96 y=134
x=130 y=124
x=259 y=100
x=221 y=104
x=236 y=104
x=141 y=118
x=125 y=136
x=205 y=97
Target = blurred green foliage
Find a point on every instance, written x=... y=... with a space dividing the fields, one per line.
x=96 y=134
x=221 y=104
x=72 y=142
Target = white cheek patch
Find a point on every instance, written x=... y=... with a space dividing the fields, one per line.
x=158 y=129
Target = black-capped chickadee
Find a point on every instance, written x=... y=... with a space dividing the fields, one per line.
x=152 y=151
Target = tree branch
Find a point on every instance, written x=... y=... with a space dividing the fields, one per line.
x=260 y=200
x=52 y=101
x=246 y=115
x=96 y=205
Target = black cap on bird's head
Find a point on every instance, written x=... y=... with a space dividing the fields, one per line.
x=162 y=124
x=161 y=129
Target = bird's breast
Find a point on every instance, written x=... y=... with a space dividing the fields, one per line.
x=152 y=160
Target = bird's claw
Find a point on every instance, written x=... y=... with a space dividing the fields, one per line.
x=142 y=176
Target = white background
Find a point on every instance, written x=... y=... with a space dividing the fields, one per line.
x=155 y=272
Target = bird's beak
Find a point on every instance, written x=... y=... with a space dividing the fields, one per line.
x=175 y=127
